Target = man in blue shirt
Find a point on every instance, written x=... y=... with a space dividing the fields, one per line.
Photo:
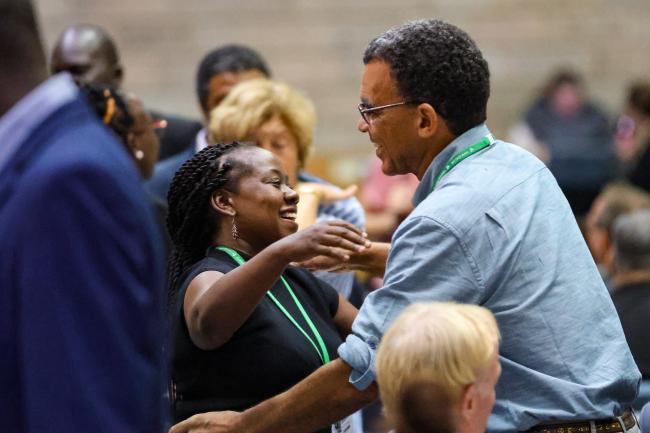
x=490 y=227
x=81 y=326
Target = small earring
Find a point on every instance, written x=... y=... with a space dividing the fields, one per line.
x=138 y=154
x=233 y=230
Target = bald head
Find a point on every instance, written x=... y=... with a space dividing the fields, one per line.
x=89 y=54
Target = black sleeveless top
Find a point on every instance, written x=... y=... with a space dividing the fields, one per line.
x=264 y=357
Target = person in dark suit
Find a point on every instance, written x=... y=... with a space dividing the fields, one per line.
x=80 y=268
x=219 y=71
x=631 y=294
x=89 y=53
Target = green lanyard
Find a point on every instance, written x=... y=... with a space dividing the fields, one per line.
x=463 y=154
x=322 y=353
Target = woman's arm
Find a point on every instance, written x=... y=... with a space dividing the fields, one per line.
x=216 y=304
x=371 y=260
x=345 y=315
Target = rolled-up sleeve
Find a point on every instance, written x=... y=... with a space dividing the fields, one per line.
x=427 y=262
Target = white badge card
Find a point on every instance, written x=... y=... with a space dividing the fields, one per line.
x=343 y=426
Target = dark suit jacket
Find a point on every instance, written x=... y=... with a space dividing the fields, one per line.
x=80 y=285
x=177 y=136
x=640 y=174
x=164 y=173
x=632 y=303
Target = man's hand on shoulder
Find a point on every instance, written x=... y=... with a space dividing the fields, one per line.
x=210 y=422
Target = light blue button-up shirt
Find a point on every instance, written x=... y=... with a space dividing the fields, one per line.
x=498 y=232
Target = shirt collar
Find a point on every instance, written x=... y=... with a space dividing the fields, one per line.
x=464 y=140
x=32 y=110
x=201 y=140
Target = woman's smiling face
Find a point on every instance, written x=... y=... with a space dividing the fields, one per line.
x=264 y=203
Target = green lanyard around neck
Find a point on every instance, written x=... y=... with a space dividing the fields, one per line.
x=464 y=154
x=323 y=354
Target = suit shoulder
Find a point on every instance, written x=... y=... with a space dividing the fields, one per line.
x=88 y=149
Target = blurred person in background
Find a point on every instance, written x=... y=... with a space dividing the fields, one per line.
x=248 y=324
x=631 y=282
x=574 y=137
x=633 y=135
x=616 y=199
x=90 y=55
x=218 y=71
x=644 y=418
x=437 y=368
x=126 y=116
x=386 y=200
x=80 y=263
x=281 y=120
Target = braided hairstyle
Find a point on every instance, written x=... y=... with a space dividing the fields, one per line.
x=190 y=221
x=111 y=107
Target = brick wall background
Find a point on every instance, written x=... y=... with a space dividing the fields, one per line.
x=317 y=46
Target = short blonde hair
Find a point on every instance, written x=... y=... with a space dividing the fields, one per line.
x=443 y=343
x=252 y=103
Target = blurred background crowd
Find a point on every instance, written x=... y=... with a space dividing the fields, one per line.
x=562 y=86
x=315 y=47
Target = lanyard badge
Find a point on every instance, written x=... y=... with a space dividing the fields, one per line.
x=462 y=155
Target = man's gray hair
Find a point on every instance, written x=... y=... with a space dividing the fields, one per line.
x=632 y=241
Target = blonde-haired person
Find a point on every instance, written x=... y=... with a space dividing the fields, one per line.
x=439 y=355
x=280 y=119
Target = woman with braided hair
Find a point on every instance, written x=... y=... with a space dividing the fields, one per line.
x=248 y=324
x=280 y=119
x=126 y=116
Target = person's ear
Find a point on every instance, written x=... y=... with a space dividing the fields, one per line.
x=131 y=142
x=222 y=202
x=468 y=404
x=428 y=120
x=118 y=75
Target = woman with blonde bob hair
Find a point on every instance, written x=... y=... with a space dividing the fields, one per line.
x=280 y=119
x=437 y=366
x=249 y=109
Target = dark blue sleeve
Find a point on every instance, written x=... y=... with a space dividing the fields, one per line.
x=90 y=305
x=164 y=172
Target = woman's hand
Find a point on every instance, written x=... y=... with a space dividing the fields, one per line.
x=335 y=239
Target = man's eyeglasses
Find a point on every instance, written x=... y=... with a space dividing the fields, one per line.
x=366 y=111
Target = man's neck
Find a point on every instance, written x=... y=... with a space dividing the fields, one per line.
x=433 y=151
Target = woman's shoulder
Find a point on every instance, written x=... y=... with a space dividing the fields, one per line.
x=213 y=261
